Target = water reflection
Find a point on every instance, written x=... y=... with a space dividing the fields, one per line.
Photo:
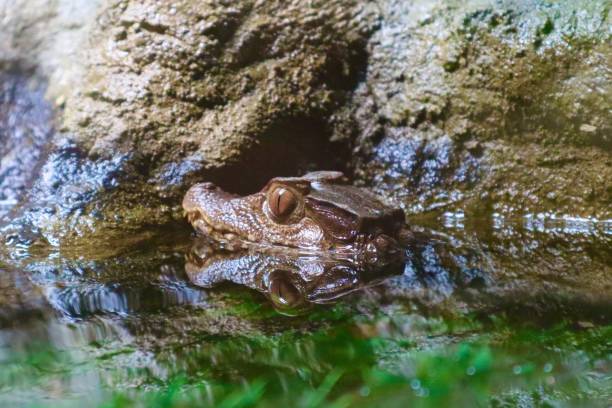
x=146 y=312
x=289 y=279
x=531 y=268
x=550 y=270
x=79 y=289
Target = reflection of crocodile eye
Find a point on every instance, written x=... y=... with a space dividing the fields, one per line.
x=284 y=294
x=282 y=202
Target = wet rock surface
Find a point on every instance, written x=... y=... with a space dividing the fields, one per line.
x=475 y=107
x=26 y=127
x=488 y=107
x=541 y=268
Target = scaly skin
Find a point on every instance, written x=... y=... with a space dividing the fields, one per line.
x=291 y=281
x=325 y=214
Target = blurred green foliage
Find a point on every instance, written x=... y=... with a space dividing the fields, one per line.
x=345 y=361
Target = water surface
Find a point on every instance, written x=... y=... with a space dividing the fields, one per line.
x=490 y=312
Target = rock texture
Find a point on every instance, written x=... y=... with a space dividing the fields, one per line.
x=489 y=107
x=197 y=87
x=167 y=94
x=480 y=106
x=45 y=40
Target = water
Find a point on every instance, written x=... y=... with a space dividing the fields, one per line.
x=499 y=312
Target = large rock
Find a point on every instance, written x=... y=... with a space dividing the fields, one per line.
x=162 y=95
x=489 y=106
x=194 y=87
x=464 y=106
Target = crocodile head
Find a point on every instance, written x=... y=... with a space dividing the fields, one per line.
x=318 y=211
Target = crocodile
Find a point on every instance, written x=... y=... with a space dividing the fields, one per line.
x=318 y=212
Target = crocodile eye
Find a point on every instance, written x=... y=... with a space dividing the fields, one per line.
x=282 y=202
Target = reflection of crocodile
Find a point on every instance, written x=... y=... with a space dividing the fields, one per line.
x=318 y=211
x=290 y=279
x=551 y=271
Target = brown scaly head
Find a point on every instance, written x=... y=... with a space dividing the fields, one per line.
x=318 y=211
